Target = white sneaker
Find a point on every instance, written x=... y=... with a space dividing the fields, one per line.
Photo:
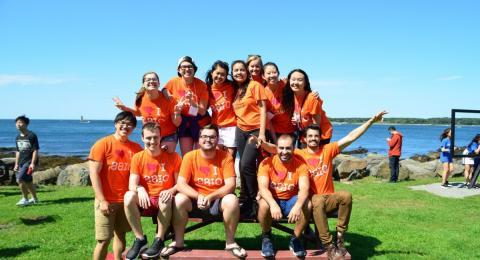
x=33 y=201
x=23 y=202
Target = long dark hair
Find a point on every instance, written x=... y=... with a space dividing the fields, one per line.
x=209 y=78
x=288 y=101
x=141 y=91
x=240 y=88
x=445 y=133
x=474 y=140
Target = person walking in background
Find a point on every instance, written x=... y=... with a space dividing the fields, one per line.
x=473 y=148
x=446 y=156
x=109 y=165
x=26 y=159
x=394 y=152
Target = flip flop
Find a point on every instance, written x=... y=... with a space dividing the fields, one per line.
x=237 y=251
x=170 y=250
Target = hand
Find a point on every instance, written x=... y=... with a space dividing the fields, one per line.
x=105 y=207
x=316 y=95
x=143 y=198
x=276 y=212
x=165 y=195
x=254 y=140
x=379 y=116
x=179 y=106
x=261 y=139
x=15 y=168
x=118 y=103
x=164 y=147
x=201 y=201
x=294 y=214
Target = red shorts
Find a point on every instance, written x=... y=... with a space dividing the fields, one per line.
x=152 y=210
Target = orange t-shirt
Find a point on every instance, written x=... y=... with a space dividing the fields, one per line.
x=247 y=109
x=157 y=173
x=281 y=121
x=320 y=167
x=313 y=106
x=221 y=105
x=160 y=111
x=204 y=175
x=115 y=157
x=178 y=88
x=283 y=177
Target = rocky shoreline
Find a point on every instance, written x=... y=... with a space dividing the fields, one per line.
x=351 y=165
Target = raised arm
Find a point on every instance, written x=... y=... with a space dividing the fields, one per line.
x=359 y=131
x=119 y=104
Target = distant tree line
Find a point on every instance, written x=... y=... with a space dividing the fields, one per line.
x=406 y=120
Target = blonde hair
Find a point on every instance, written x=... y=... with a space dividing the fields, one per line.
x=141 y=91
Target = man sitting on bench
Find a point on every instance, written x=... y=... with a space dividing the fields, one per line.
x=206 y=185
x=283 y=185
x=325 y=200
x=151 y=190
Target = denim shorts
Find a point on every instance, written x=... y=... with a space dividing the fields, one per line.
x=189 y=127
x=22 y=174
x=287 y=205
x=170 y=138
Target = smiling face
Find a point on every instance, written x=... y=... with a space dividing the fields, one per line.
x=124 y=128
x=255 y=67
x=297 y=82
x=186 y=70
x=239 y=72
x=151 y=81
x=151 y=140
x=219 y=75
x=312 y=137
x=270 y=75
x=285 y=148
x=208 y=140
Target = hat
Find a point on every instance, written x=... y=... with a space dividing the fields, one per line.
x=187 y=59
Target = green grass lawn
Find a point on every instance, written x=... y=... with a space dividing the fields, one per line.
x=389 y=221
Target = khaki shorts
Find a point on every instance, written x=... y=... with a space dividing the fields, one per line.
x=115 y=221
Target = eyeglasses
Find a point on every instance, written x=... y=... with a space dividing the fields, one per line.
x=126 y=124
x=209 y=137
x=186 y=67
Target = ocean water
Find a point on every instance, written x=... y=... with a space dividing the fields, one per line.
x=71 y=137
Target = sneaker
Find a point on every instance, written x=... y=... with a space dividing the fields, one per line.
x=23 y=202
x=341 y=244
x=154 y=250
x=33 y=201
x=445 y=185
x=267 y=246
x=137 y=247
x=333 y=253
x=296 y=247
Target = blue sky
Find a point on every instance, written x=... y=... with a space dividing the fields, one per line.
x=63 y=59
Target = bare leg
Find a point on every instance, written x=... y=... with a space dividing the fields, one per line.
x=100 y=251
x=23 y=188
x=231 y=215
x=163 y=218
x=183 y=205
x=303 y=221
x=264 y=216
x=133 y=214
x=31 y=188
x=169 y=145
x=186 y=145
x=118 y=245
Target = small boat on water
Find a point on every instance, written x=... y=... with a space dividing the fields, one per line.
x=83 y=121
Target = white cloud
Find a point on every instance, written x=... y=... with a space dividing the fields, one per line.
x=455 y=77
x=23 y=79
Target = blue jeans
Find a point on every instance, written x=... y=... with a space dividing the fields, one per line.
x=287 y=205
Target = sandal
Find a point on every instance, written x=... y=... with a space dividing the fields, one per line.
x=170 y=250
x=237 y=251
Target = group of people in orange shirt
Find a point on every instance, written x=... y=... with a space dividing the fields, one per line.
x=256 y=113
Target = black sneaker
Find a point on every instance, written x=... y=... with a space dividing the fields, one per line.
x=267 y=246
x=155 y=249
x=137 y=247
x=296 y=247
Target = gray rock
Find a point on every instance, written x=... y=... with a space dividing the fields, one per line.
x=48 y=176
x=382 y=170
x=75 y=175
x=418 y=170
x=9 y=161
x=348 y=164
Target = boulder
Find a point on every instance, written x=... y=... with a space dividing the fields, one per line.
x=75 y=175
x=418 y=170
x=9 y=161
x=347 y=164
x=382 y=170
x=374 y=159
x=48 y=176
x=458 y=168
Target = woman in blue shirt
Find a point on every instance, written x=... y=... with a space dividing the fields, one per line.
x=446 y=156
x=473 y=148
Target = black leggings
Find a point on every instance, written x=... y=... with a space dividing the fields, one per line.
x=248 y=166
